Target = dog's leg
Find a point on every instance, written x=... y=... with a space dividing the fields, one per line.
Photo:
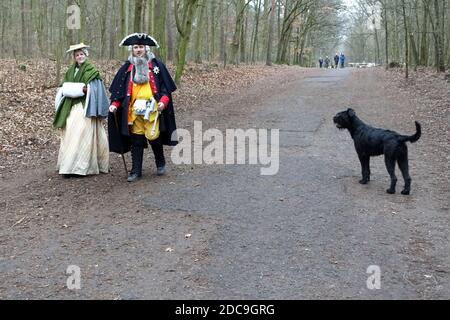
x=365 y=168
x=389 y=160
x=402 y=161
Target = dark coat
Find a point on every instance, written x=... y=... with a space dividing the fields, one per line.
x=165 y=86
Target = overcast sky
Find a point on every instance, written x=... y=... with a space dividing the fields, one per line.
x=350 y=3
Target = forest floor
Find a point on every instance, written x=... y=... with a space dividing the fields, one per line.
x=225 y=231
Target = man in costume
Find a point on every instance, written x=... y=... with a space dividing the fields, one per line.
x=141 y=105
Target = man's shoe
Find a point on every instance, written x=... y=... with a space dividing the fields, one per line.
x=133 y=177
x=160 y=171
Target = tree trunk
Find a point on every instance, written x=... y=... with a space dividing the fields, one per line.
x=123 y=18
x=169 y=23
x=24 y=49
x=240 y=9
x=279 y=17
x=396 y=38
x=440 y=64
x=415 y=53
x=199 y=33
x=386 y=31
x=103 y=27
x=184 y=30
x=81 y=36
x=160 y=27
x=114 y=30
x=424 y=40
x=291 y=14
x=271 y=22
x=256 y=32
x=406 y=40
x=137 y=16
x=3 y=20
x=223 y=33
x=243 y=42
x=151 y=17
x=212 y=41
x=377 y=44
x=42 y=19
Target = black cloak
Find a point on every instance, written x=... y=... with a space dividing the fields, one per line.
x=165 y=86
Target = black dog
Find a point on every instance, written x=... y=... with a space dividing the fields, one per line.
x=370 y=141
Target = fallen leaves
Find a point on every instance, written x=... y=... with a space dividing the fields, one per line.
x=430 y=93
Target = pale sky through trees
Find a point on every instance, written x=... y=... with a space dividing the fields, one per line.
x=350 y=3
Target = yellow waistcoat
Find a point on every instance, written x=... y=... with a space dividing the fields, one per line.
x=137 y=123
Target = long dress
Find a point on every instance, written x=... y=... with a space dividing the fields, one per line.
x=84 y=146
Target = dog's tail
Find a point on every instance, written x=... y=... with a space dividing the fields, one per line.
x=415 y=136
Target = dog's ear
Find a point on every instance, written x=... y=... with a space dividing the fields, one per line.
x=351 y=112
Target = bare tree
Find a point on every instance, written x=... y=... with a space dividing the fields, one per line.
x=184 y=27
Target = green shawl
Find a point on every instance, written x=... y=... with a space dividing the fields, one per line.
x=85 y=74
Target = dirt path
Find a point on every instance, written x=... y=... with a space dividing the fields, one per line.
x=311 y=231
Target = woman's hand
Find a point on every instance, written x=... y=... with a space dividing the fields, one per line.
x=161 y=106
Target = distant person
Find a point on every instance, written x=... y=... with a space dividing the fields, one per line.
x=336 y=60
x=342 y=60
x=81 y=107
x=327 y=62
x=321 y=62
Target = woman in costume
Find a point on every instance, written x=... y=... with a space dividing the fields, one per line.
x=141 y=105
x=81 y=104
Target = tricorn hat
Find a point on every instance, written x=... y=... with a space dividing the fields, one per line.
x=139 y=38
x=77 y=47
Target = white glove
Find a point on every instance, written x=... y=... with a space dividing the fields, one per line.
x=112 y=108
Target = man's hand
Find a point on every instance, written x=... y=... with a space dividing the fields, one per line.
x=161 y=106
x=112 y=108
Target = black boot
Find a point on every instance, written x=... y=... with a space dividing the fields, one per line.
x=137 y=154
x=160 y=160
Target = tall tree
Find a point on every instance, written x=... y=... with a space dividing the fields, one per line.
x=271 y=22
x=23 y=11
x=239 y=26
x=160 y=26
x=169 y=23
x=293 y=9
x=405 y=24
x=213 y=27
x=256 y=30
x=123 y=18
x=138 y=6
x=199 y=32
x=184 y=27
x=424 y=39
x=438 y=36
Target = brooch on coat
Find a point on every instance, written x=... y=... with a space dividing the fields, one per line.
x=155 y=70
